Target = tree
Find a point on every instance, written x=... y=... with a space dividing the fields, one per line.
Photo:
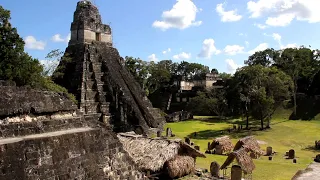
x=218 y=101
x=300 y=64
x=264 y=58
x=262 y=89
x=139 y=69
x=224 y=76
x=159 y=76
x=15 y=64
x=209 y=102
x=54 y=58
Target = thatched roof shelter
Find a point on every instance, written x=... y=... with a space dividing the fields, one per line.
x=224 y=141
x=250 y=144
x=243 y=159
x=150 y=154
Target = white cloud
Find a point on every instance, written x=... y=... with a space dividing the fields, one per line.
x=243 y=34
x=208 y=48
x=166 y=51
x=260 y=47
x=277 y=37
x=260 y=26
x=227 y=16
x=152 y=57
x=58 y=38
x=282 y=12
x=281 y=20
x=232 y=66
x=233 y=49
x=247 y=43
x=32 y=43
x=182 y=56
x=182 y=15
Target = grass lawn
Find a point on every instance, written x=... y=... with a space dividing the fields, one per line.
x=284 y=135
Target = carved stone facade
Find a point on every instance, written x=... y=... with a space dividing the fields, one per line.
x=94 y=72
x=87 y=25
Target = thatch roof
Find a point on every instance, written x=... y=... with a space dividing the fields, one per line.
x=180 y=166
x=243 y=159
x=250 y=144
x=152 y=153
x=225 y=142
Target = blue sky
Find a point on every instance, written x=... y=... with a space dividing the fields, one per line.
x=219 y=34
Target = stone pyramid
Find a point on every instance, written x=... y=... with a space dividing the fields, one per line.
x=93 y=71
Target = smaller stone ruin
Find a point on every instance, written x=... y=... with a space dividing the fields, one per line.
x=179 y=116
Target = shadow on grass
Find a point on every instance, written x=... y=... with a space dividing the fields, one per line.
x=311 y=148
x=308 y=107
x=231 y=121
x=210 y=134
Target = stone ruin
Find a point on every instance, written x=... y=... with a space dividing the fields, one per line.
x=44 y=135
x=92 y=70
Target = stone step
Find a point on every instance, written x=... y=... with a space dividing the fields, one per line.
x=96 y=67
x=101 y=87
x=91 y=94
x=89 y=75
x=102 y=98
x=43 y=135
x=90 y=84
x=98 y=74
x=94 y=117
x=104 y=108
x=37 y=127
x=92 y=108
x=99 y=80
x=96 y=64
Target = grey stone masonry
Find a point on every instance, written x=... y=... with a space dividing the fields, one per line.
x=79 y=153
x=56 y=144
x=92 y=70
x=87 y=25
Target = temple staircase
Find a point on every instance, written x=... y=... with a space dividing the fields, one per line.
x=93 y=100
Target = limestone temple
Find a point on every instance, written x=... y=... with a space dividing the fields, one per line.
x=104 y=88
x=44 y=135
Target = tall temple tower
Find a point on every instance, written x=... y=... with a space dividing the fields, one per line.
x=91 y=69
x=87 y=25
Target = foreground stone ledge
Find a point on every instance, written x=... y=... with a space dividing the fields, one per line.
x=22 y=100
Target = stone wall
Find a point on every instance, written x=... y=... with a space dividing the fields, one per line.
x=77 y=147
x=81 y=153
x=179 y=116
x=22 y=100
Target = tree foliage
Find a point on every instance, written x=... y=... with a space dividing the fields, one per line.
x=15 y=64
x=262 y=90
x=301 y=64
x=161 y=75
